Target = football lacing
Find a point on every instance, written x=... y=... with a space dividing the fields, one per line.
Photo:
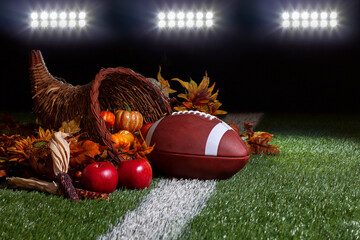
x=211 y=117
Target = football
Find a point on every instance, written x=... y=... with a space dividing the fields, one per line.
x=193 y=144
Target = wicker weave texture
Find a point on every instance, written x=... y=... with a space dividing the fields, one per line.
x=56 y=101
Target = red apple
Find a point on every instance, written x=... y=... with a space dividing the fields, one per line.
x=135 y=173
x=145 y=128
x=100 y=177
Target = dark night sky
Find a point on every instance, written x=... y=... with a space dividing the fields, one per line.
x=256 y=65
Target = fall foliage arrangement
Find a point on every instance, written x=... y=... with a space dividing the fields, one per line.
x=65 y=161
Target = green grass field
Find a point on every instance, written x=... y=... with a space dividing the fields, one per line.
x=310 y=191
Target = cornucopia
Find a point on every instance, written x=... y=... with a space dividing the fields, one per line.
x=56 y=101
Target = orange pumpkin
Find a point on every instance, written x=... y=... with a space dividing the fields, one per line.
x=128 y=120
x=108 y=117
x=129 y=136
x=121 y=142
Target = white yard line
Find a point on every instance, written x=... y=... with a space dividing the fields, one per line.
x=166 y=210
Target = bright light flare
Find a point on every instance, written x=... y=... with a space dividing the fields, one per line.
x=314 y=23
x=82 y=23
x=190 y=15
x=295 y=15
x=44 y=15
x=314 y=15
x=285 y=15
x=209 y=23
x=44 y=24
x=286 y=24
x=185 y=19
x=324 y=15
x=162 y=24
x=333 y=23
x=161 y=16
x=62 y=24
x=305 y=24
x=53 y=15
x=305 y=15
x=35 y=24
x=199 y=15
x=305 y=19
x=333 y=15
x=82 y=15
x=199 y=23
x=209 y=15
x=296 y=24
x=181 y=15
x=72 y=23
x=58 y=19
x=172 y=24
x=63 y=15
x=181 y=24
x=190 y=23
x=171 y=15
x=72 y=15
x=34 y=15
x=53 y=24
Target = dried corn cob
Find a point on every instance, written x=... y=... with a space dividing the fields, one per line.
x=67 y=186
x=91 y=195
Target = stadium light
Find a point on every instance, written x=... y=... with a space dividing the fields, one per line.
x=305 y=15
x=180 y=15
x=35 y=24
x=53 y=15
x=63 y=15
x=57 y=19
x=185 y=20
x=190 y=15
x=82 y=15
x=34 y=16
x=305 y=19
x=44 y=16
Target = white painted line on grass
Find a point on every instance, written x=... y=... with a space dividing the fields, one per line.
x=165 y=211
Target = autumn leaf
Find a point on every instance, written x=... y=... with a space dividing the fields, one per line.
x=71 y=127
x=2 y=173
x=258 y=142
x=18 y=149
x=84 y=152
x=139 y=150
x=45 y=134
x=213 y=108
x=199 y=97
x=261 y=146
x=162 y=84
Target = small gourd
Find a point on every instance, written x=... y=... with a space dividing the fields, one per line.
x=108 y=117
x=129 y=136
x=121 y=142
x=128 y=120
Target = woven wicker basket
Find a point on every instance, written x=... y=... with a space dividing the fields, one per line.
x=56 y=101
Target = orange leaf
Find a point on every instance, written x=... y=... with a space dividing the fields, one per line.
x=84 y=152
x=258 y=142
x=139 y=150
x=162 y=84
x=199 y=97
x=2 y=173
